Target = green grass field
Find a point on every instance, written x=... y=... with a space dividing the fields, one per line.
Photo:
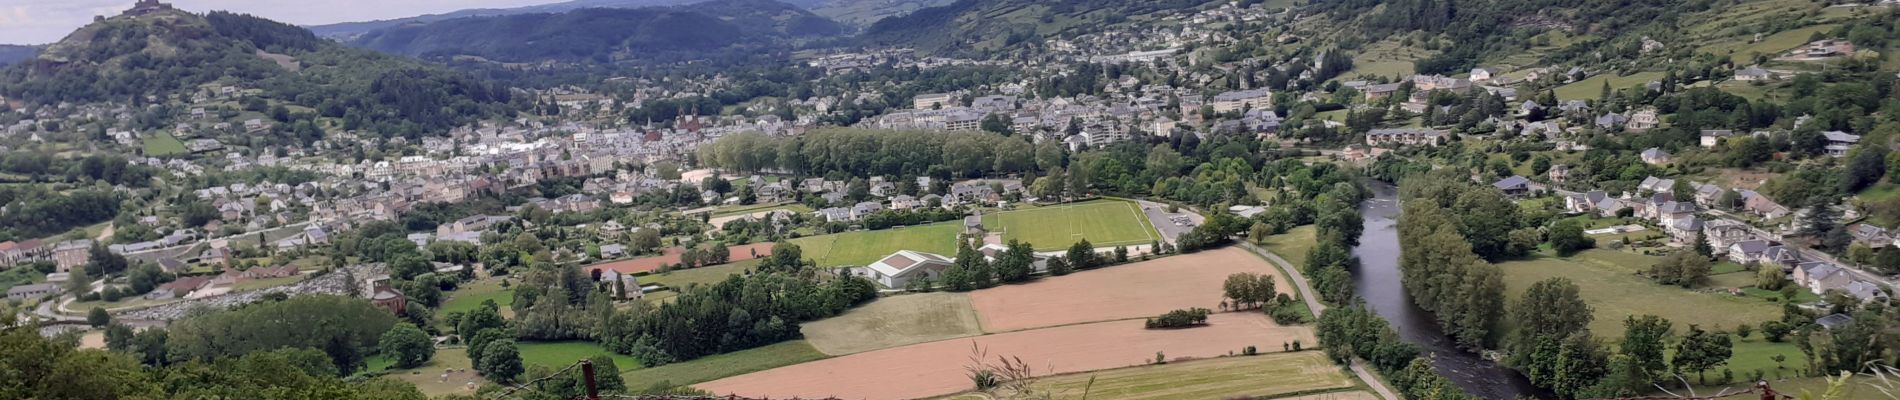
x=163 y=145
x=703 y=275
x=1388 y=58
x=1592 y=87
x=1102 y=222
x=1293 y=245
x=1742 y=51
x=428 y=377
x=865 y=247
x=1608 y=283
x=559 y=355
x=1262 y=376
x=724 y=365
x=894 y=321
x=748 y=209
x=469 y=296
x=255 y=284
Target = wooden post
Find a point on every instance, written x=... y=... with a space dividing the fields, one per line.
x=587 y=371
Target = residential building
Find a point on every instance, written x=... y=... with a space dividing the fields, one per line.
x=1405 y=136
x=1838 y=143
x=34 y=291
x=1243 y=99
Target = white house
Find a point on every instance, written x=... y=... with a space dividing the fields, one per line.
x=896 y=270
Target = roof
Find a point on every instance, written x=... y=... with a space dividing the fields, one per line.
x=1834 y=320
x=34 y=288
x=1750 y=246
x=1513 y=182
x=905 y=261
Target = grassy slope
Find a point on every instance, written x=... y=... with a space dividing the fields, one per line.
x=895 y=321
x=469 y=296
x=559 y=355
x=724 y=365
x=163 y=145
x=1293 y=245
x=1592 y=87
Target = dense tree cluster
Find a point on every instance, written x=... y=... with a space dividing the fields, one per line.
x=38 y=211
x=1179 y=318
x=1441 y=266
x=1354 y=331
x=869 y=153
x=738 y=313
x=345 y=329
x=42 y=368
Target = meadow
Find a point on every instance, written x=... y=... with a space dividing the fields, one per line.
x=1608 y=282
x=723 y=365
x=895 y=321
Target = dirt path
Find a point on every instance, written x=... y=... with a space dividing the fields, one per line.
x=1312 y=301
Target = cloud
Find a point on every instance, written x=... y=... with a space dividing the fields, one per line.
x=46 y=21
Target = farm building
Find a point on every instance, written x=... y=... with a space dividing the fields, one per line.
x=898 y=269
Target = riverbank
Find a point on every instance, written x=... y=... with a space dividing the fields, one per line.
x=1307 y=295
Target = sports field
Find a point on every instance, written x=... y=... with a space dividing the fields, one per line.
x=864 y=247
x=1137 y=290
x=895 y=321
x=1103 y=222
x=1220 y=378
x=937 y=368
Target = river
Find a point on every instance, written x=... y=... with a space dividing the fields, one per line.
x=1377 y=280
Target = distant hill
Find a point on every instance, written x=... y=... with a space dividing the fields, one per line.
x=976 y=26
x=608 y=35
x=160 y=54
x=351 y=30
x=863 y=13
x=10 y=53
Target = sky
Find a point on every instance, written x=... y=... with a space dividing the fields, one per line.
x=46 y=21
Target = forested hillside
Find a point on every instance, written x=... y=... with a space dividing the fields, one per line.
x=10 y=54
x=350 y=30
x=172 y=54
x=608 y=35
x=975 y=26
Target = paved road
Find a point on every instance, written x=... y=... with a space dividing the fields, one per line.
x=1312 y=302
x=1292 y=274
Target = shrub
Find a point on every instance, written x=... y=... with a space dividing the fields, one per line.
x=1180 y=318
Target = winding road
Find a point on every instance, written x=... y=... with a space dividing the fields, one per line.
x=1312 y=302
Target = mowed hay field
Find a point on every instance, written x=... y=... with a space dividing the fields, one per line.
x=1137 y=290
x=858 y=248
x=1608 y=282
x=1218 y=378
x=1103 y=222
x=895 y=321
x=936 y=368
